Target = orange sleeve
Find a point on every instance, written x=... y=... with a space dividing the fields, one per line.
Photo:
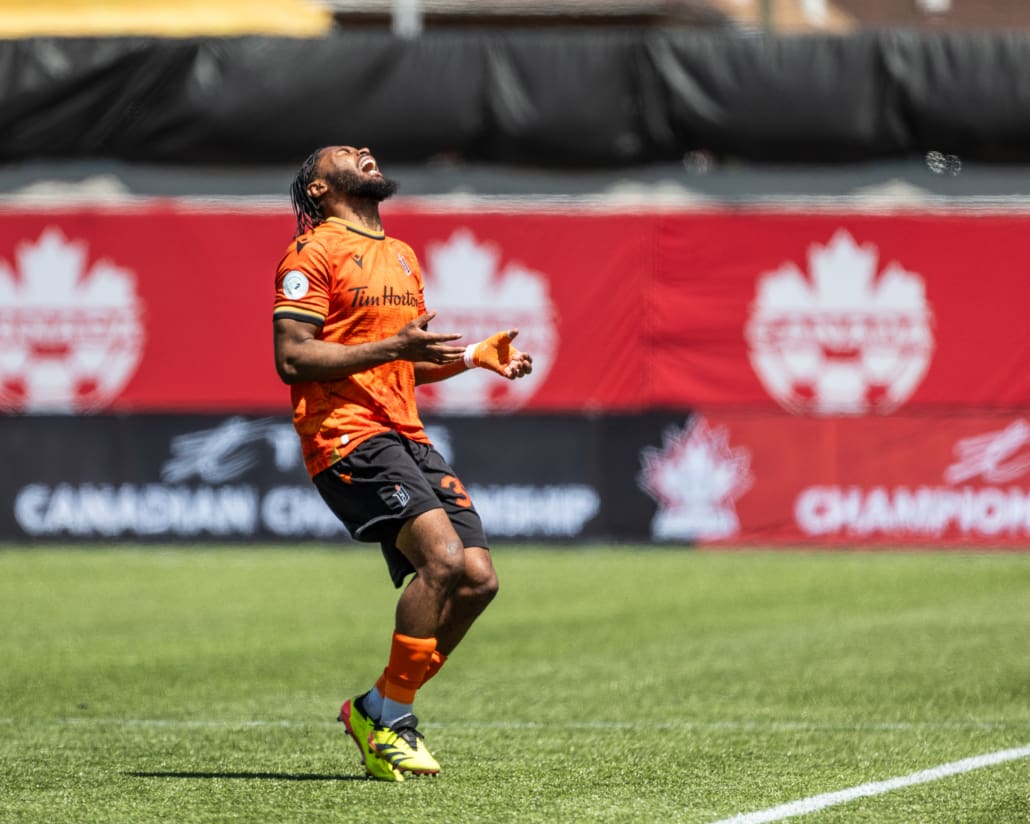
x=303 y=283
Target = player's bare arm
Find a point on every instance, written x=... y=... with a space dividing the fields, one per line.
x=301 y=356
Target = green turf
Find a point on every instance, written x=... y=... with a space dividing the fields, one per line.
x=603 y=685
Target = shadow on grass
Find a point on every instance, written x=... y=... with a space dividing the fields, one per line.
x=250 y=776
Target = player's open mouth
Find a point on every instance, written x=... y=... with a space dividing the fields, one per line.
x=368 y=165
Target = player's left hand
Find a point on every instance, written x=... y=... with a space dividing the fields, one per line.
x=498 y=355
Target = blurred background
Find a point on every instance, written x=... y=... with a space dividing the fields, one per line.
x=769 y=257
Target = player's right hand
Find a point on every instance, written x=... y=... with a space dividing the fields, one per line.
x=416 y=343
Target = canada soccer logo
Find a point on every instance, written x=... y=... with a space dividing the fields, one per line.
x=474 y=295
x=844 y=340
x=71 y=334
x=696 y=478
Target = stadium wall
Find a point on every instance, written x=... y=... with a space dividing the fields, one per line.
x=711 y=376
x=550 y=98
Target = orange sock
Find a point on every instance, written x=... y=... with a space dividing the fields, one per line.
x=409 y=661
x=374 y=697
x=436 y=660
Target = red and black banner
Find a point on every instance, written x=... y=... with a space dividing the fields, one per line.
x=661 y=477
x=762 y=376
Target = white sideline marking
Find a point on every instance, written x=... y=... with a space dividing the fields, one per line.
x=819 y=802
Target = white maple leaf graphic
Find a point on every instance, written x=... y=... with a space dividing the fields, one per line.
x=70 y=336
x=695 y=477
x=473 y=294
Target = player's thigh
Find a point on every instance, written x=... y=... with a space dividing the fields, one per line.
x=376 y=488
x=430 y=540
x=452 y=495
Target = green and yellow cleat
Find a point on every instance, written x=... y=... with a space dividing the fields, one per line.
x=360 y=727
x=403 y=747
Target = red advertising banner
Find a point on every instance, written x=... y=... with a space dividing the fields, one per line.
x=129 y=310
x=851 y=314
x=722 y=479
x=162 y=307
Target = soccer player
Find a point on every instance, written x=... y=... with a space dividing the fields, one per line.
x=352 y=340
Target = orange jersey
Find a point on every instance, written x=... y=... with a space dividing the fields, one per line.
x=356 y=286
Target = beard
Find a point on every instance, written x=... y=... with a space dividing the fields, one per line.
x=353 y=185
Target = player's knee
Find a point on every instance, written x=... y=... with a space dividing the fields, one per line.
x=445 y=564
x=481 y=589
x=490 y=587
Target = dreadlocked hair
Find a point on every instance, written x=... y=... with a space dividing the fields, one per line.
x=305 y=207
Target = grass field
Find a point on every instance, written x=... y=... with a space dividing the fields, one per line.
x=603 y=685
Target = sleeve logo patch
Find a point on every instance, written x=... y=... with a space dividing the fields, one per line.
x=295 y=285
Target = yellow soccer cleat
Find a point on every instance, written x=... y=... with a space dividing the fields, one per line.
x=402 y=746
x=360 y=727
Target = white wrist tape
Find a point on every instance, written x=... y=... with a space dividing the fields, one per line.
x=469 y=353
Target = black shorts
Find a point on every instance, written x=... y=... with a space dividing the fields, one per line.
x=388 y=480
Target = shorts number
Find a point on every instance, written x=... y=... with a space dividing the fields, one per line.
x=454 y=485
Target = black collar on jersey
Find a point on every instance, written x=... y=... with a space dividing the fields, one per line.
x=358 y=230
